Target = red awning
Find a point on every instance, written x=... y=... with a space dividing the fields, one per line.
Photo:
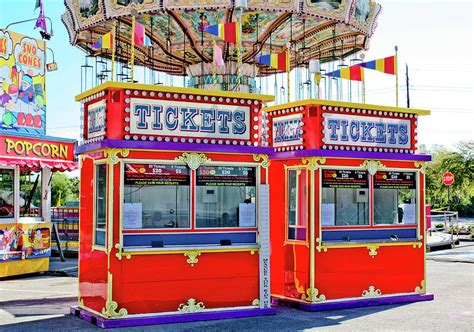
x=55 y=165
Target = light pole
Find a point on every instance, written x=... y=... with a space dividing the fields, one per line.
x=44 y=35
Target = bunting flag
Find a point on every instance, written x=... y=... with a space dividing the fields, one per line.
x=385 y=65
x=41 y=20
x=228 y=32
x=140 y=38
x=353 y=73
x=217 y=56
x=105 y=42
x=278 y=61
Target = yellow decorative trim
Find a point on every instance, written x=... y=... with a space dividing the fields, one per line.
x=372 y=250
x=313 y=163
x=253 y=251
x=265 y=162
x=191 y=307
x=312 y=296
x=193 y=160
x=120 y=253
x=320 y=247
x=192 y=256
x=161 y=88
x=182 y=251
x=343 y=104
x=422 y=289
x=80 y=302
x=372 y=166
x=422 y=166
x=256 y=302
x=110 y=310
x=112 y=155
x=366 y=245
x=372 y=292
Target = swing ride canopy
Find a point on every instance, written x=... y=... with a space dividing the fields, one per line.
x=314 y=29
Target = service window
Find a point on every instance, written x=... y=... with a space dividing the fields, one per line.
x=225 y=196
x=345 y=198
x=156 y=196
x=100 y=204
x=297 y=212
x=395 y=198
x=30 y=193
x=7 y=196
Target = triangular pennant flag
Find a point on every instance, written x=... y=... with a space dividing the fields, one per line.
x=140 y=37
x=385 y=65
x=217 y=56
x=227 y=32
x=105 y=41
x=278 y=61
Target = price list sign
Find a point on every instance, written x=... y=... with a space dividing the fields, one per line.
x=395 y=180
x=156 y=174
x=337 y=178
x=226 y=176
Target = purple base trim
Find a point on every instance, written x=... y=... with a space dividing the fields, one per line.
x=172 y=146
x=167 y=319
x=350 y=154
x=352 y=303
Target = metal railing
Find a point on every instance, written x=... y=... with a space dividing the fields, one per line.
x=450 y=220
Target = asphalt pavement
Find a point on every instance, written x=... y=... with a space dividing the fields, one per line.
x=41 y=303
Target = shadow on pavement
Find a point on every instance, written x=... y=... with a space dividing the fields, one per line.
x=286 y=319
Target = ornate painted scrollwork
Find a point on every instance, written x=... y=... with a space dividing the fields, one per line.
x=193 y=160
x=256 y=302
x=418 y=244
x=372 y=166
x=422 y=166
x=372 y=250
x=110 y=310
x=192 y=256
x=313 y=163
x=265 y=162
x=112 y=155
x=372 y=292
x=120 y=253
x=320 y=247
x=422 y=289
x=191 y=306
x=312 y=296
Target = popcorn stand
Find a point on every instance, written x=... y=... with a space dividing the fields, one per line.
x=28 y=157
x=348 y=220
x=174 y=206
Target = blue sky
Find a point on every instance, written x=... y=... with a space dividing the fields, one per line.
x=435 y=38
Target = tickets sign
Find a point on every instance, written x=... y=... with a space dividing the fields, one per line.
x=96 y=119
x=156 y=174
x=178 y=118
x=287 y=130
x=355 y=130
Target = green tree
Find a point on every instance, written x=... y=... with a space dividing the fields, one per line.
x=461 y=164
x=67 y=187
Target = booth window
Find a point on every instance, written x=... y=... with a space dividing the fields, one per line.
x=225 y=196
x=296 y=204
x=100 y=204
x=7 y=196
x=345 y=198
x=156 y=196
x=395 y=198
x=30 y=193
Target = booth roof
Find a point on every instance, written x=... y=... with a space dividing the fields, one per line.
x=333 y=103
x=162 y=88
x=55 y=165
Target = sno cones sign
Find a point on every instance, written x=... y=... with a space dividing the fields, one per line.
x=22 y=84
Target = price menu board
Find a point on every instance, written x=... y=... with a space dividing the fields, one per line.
x=337 y=178
x=226 y=176
x=395 y=180
x=156 y=174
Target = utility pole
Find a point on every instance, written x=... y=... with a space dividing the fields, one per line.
x=408 y=86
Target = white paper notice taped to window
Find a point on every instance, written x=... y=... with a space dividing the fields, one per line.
x=132 y=215
x=247 y=215
x=327 y=214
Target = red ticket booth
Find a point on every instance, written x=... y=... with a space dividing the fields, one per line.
x=174 y=208
x=347 y=205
